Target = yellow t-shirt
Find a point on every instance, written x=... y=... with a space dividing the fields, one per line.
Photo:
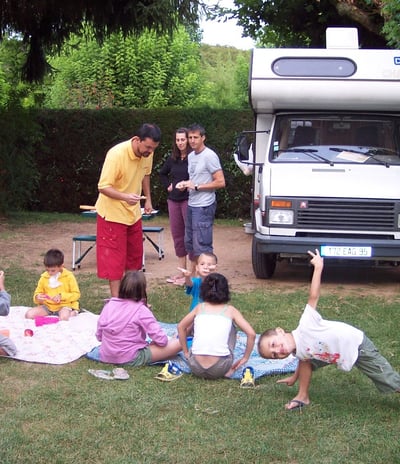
x=124 y=171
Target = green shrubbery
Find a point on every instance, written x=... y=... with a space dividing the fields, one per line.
x=51 y=159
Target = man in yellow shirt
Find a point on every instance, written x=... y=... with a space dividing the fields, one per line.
x=124 y=176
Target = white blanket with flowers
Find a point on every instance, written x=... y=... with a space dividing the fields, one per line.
x=59 y=343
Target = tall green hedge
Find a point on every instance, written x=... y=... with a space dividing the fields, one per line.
x=55 y=156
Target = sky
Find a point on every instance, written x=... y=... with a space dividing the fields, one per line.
x=228 y=33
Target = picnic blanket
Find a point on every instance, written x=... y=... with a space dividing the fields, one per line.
x=58 y=343
x=67 y=341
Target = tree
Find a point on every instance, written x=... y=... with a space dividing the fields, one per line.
x=44 y=24
x=15 y=93
x=303 y=22
x=145 y=72
x=225 y=73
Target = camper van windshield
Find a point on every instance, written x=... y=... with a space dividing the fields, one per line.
x=336 y=139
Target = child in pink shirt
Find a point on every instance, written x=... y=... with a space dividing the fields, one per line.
x=124 y=325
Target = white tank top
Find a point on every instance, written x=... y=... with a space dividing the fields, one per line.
x=211 y=333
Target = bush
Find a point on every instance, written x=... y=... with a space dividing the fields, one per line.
x=19 y=175
x=57 y=155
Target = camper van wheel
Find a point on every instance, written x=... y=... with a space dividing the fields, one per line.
x=263 y=263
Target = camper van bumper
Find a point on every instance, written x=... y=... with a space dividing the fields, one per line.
x=388 y=250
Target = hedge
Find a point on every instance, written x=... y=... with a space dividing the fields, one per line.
x=51 y=159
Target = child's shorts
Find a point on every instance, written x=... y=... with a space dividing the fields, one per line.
x=143 y=357
x=57 y=313
x=216 y=371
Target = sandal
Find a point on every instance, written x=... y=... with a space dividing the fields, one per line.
x=117 y=374
x=247 y=380
x=169 y=372
x=100 y=374
x=120 y=374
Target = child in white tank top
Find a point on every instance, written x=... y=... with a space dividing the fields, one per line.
x=214 y=336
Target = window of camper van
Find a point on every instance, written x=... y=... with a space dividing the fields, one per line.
x=354 y=139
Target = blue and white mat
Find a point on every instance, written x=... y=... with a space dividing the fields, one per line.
x=261 y=366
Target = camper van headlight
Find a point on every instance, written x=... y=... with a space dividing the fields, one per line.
x=281 y=216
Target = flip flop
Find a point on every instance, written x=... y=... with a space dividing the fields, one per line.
x=117 y=374
x=299 y=405
x=120 y=374
x=101 y=374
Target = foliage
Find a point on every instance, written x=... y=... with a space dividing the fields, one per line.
x=225 y=73
x=391 y=13
x=148 y=71
x=45 y=24
x=13 y=91
x=303 y=23
x=19 y=177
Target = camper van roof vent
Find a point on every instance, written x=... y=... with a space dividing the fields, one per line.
x=341 y=37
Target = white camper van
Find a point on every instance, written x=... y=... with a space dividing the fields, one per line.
x=326 y=167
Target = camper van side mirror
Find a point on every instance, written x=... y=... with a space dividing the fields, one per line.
x=242 y=147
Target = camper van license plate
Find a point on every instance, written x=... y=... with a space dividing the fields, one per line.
x=346 y=251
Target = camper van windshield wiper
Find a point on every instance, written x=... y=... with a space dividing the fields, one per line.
x=311 y=152
x=370 y=153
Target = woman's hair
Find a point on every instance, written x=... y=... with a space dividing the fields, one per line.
x=53 y=257
x=176 y=153
x=215 y=289
x=133 y=286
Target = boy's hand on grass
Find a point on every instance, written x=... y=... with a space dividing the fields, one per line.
x=289 y=381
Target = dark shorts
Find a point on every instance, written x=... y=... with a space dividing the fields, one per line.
x=199 y=230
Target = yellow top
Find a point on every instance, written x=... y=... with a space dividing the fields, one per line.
x=124 y=171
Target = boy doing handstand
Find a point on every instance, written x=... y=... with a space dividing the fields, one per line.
x=317 y=342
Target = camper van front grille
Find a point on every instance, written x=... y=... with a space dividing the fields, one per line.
x=346 y=215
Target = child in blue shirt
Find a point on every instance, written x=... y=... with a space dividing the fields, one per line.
x=206 y=263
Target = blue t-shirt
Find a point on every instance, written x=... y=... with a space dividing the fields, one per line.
x=194 y=291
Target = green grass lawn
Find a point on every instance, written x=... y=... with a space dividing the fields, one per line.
x=61 y=414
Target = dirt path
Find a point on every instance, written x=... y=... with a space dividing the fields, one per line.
x=27 y=245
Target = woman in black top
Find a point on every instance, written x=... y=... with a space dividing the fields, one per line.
x=174 y=170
